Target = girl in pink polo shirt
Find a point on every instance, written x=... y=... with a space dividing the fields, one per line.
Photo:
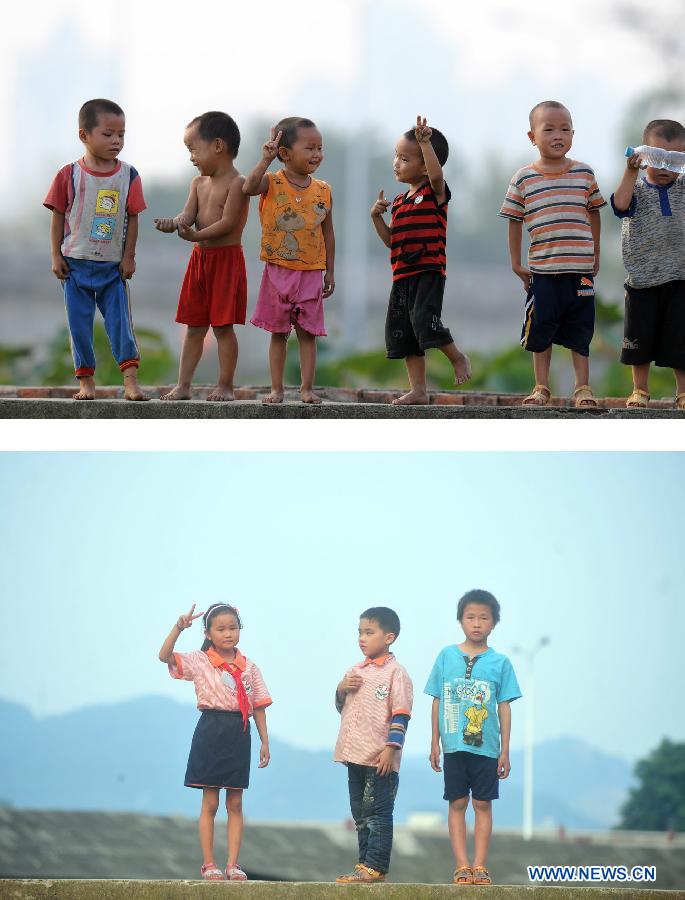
x=229 y=689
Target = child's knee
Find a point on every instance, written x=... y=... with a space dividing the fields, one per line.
x=234 y=801
x=460 y=804
x=197 y=332
x=222 y=330
x=210 y=802
x=482 y=806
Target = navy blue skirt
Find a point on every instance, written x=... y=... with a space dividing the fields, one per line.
x=220 y=751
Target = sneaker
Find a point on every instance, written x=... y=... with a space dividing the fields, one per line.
x=363 y=874
x=235 y=873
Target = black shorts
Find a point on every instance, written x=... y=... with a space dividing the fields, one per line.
x=466 y=772
x=560 y=309
x=220 y=751
x=654 y=329
x=413 y=323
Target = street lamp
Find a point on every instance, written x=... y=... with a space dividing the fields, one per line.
x=529 y=656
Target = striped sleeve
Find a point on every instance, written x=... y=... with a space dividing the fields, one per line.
x=595 y=199
x=514 y=204
x=397 y=730
x=260 y=693
x=184 y=665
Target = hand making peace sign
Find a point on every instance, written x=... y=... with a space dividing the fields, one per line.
x=422 y=131
x=270 y=149
x=185 y=621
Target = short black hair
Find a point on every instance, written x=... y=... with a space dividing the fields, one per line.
x=217 y=609
x=438 y=143
x=668 y=129
x=387 y=618
x=552 y=104
x=91 y=109
x=478 y=596
x=215 y=125
x=289 y=128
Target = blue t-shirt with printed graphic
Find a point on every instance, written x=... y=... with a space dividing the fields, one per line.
x=469 y=691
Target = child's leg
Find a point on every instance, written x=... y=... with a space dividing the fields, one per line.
x=482 y=830
x=541 y=365
x=234 y=810
x=210 y=804
x=114 y=303
x=307 y=344
x=193 y=343
x=679 y=380
x=227 y=344
x=79 y=302
x=278 y=348
x=416 y=370
x=641 y=377
x=456 y=824
x=581 y=367
x=460 y=362
x=378 y=803
x=355 y=785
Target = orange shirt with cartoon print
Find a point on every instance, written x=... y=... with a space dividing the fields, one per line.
x=291 y=219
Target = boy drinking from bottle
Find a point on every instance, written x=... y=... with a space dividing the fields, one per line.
x=652 y=208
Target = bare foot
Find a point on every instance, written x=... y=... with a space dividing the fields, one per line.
x=131 y=388
x=462 y=369
x=178 y=393
x=87 y=389
x=413 y=397
x=273 y=397
x=222 y=392
x=308 y=396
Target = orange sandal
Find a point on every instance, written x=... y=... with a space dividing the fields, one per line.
x=463 y=875
x=481 y=875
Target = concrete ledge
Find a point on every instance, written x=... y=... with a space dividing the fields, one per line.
x=339 y=403
x=15 y=408
x=277 y=890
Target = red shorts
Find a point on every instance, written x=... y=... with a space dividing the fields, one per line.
x=214 y=290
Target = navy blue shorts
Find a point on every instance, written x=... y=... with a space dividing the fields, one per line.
x=560 y=309
x=654 y=329
x=220 y=751
x=472 y=772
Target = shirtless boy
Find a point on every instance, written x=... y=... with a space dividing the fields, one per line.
x=214 y=290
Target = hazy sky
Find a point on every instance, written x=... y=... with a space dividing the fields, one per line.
x=101 y=552
x=476 y=70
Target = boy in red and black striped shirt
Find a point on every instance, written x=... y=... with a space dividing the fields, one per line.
x=416 y=237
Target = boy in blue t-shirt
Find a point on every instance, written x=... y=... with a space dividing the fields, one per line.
x=472 y=687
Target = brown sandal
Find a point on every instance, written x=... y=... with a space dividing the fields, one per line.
x=539 y=396
x=463 y=875
x=680 y=400
x=583 y=397
x=639 y=399
x=481 y=875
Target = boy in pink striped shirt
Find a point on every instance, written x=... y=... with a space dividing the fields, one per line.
x=374 y=699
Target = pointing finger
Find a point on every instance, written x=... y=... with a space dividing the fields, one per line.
x=381 y=197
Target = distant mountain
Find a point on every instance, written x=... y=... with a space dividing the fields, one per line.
x=131 y=757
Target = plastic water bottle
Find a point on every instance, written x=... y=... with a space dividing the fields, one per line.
x=656 y=158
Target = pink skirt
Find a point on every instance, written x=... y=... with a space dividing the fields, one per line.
x=289 y=297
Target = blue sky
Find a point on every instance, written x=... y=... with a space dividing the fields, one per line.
x=102 y=551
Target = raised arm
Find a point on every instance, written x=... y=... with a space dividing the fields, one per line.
x=329 y=242
x=257 y=182
x=186 y=217
x=623 y=195
x=166 y=653
x=234 y=209
x=433 y=168
x=378 y=210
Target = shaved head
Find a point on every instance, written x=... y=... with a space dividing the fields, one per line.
x=546 y=104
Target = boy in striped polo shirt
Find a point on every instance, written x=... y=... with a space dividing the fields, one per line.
x=416 y=237
x=559 y=201
x=374 y=699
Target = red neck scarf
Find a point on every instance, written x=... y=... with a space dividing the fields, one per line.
x=243 y=702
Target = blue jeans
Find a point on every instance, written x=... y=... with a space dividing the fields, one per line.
x=94 y=284
x=372 y=800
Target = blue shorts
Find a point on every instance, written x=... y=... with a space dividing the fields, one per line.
x=560 y=309
x=472 y=772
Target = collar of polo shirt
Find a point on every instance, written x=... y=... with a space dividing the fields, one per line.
x=218 y=661
x=378 y=661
